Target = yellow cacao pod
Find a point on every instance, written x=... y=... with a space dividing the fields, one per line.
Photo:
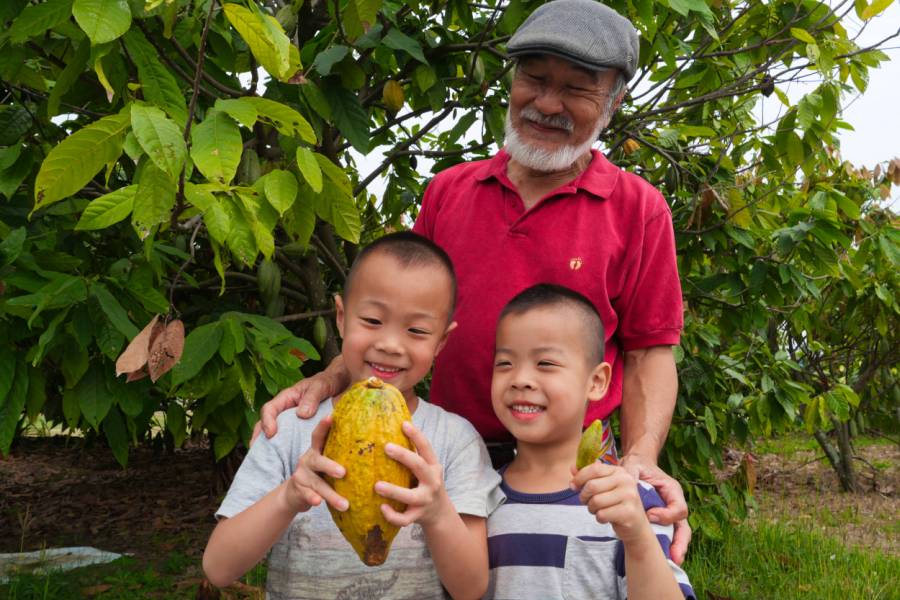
x=596 y=443
x=630 y=145
x=366 y=417
x=392 y=96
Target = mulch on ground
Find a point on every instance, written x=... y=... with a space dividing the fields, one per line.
x=55 y=492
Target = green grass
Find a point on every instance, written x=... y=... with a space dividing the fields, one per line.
x=789 y=445
x=176 y=578
x=776 y=561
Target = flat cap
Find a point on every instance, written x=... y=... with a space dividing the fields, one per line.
x=585 y=32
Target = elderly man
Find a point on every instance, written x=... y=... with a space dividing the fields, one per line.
x=547 y=208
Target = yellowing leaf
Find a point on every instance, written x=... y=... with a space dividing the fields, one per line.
x=309 y=168
x=266 y=39
x=153 y=201
x=281 y=189
x=79 y=157
x=392 y=95
x=802 y=35
x=284 y=118
x=876 y=8
x=216 y=147
x=160 y=138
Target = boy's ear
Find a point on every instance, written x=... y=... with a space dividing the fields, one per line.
x=599 y=381
x=443 y=341
x=339 y=313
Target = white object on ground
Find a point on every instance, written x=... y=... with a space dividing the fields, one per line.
x=41 y=562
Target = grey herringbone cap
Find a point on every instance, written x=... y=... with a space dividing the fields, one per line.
x=583 y=31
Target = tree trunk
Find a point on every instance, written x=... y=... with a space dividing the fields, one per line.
x=836 y=460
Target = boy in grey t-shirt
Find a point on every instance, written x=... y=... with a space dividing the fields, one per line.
x=394 y=317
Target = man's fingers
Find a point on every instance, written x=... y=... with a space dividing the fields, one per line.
x=680 y=541
x=257 y=429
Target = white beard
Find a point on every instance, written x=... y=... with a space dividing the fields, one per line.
x=539 y=159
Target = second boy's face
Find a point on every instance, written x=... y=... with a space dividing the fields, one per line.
x=394 y=322
x=542 y=380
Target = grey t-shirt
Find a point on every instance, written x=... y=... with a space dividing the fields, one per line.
x=313 y=560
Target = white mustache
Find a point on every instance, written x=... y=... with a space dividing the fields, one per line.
x=558 y=121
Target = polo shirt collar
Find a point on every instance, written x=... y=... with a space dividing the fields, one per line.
x=599 y=179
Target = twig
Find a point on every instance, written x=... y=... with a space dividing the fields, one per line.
x=206 y=76
x=305 y=315
x=330 y=258
x=183 y=266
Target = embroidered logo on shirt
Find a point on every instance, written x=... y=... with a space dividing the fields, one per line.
x=575 y=263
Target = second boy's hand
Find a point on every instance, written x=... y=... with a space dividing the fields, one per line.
x=426 y=502
x=306 y=488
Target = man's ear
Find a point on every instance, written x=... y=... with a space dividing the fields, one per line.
x=599 y=381
x=339 y=313
x=444 y=337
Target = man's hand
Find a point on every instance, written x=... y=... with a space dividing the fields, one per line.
x=425 y=502
x=675 y=511
x=306 y=488
x=306 y=395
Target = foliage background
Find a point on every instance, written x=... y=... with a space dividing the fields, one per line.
x=142 y=175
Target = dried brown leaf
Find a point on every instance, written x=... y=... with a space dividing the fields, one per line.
x=135 y=355
x=166 y=350
x=95 y=590
x=137 y=375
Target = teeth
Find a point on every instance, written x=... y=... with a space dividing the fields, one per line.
x=527 y=408
x=383 y=368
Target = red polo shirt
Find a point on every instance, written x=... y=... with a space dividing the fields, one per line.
x=607 y=234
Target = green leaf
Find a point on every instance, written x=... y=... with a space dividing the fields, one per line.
x=11 y=409
x=117 y=435
x=398 y=40
x=7 y=371
x=316 y=100
x=75 y=161
x=94 y=400
x=158 y=86
x=11 y=247
x=199 y=346
x=48 y=337
x=160 y=138
x=266 y=39
x=36 y=19
x=11 y=179
x=74 y=365
x=262 y=220
x=348 y=115
x=284 y=118
x=309 y=168
x=343 y=215
x=300 y=221
x=14 y=122
x=102 y=20
x=682 y=7
x=68 y=77
x=242 y=112
x=153 y=200
x=326 y=59
x=113 y=310
x=281 y=189
x=335 y=174
x=224 y=443
x=876 y=8
x=216 y=147
x=802 y=35
x=37 y=393
x=107 y=209
x=240 y=239
x=176 y=423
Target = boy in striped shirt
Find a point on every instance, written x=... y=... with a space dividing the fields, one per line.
x=564 y=533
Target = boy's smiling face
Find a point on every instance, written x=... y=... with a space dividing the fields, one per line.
x=394 y=321
x=542 y=376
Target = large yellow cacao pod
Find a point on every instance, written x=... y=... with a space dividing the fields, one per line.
x=366 y=417
x=597 y=443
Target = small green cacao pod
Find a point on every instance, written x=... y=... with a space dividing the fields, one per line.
x=268 y=278
x=596 y=443
x=249 y=169
x=320 y=333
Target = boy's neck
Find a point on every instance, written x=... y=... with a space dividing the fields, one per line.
x=541 y=469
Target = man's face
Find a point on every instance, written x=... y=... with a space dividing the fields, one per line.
x=555 y=105
x=394 y=321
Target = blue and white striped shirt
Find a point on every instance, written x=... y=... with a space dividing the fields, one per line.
x=550 y=546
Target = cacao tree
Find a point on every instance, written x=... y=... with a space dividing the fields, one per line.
x=203 y=160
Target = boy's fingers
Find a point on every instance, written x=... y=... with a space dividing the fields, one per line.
x=334 y=499
x=320 y=433
x=423 y=447
x=594 y=470
x=409 y=459
x=323 y=464
x=395 y=492
x=400 y=519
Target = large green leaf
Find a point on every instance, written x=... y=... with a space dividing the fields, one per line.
x=240 y=239
x=216 y=147
x=300 y=221
x=309 y=168
x=11 y=178
x=67 y=78
x=113 y=310
x=160 y=138
x=281 y=189
x=37 y=19
x=398 y=40
x=75 y=161
x=242 y=112
x=37 y=393
x=343 y=214
x=266 y=39
x=117 y=435
x=7 y=370
x=284 y=118
x=158 y=85
x=348 y=115
x=107 y=209
x=11 y=409
x=102 y=20
x=153 y=200
x=14 y=122
x=176 y=423
x=94 y=399
x=199 y=346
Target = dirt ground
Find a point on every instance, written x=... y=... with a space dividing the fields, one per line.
x=53 y=493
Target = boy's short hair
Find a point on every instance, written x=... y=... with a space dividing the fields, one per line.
x=410 y=250
x=549 y=295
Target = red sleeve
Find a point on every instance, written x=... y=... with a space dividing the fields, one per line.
x=424 y=224
x=650 y=308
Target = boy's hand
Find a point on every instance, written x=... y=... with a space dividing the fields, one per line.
x=306 y=488
x=611 y=494
x=425 y=502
